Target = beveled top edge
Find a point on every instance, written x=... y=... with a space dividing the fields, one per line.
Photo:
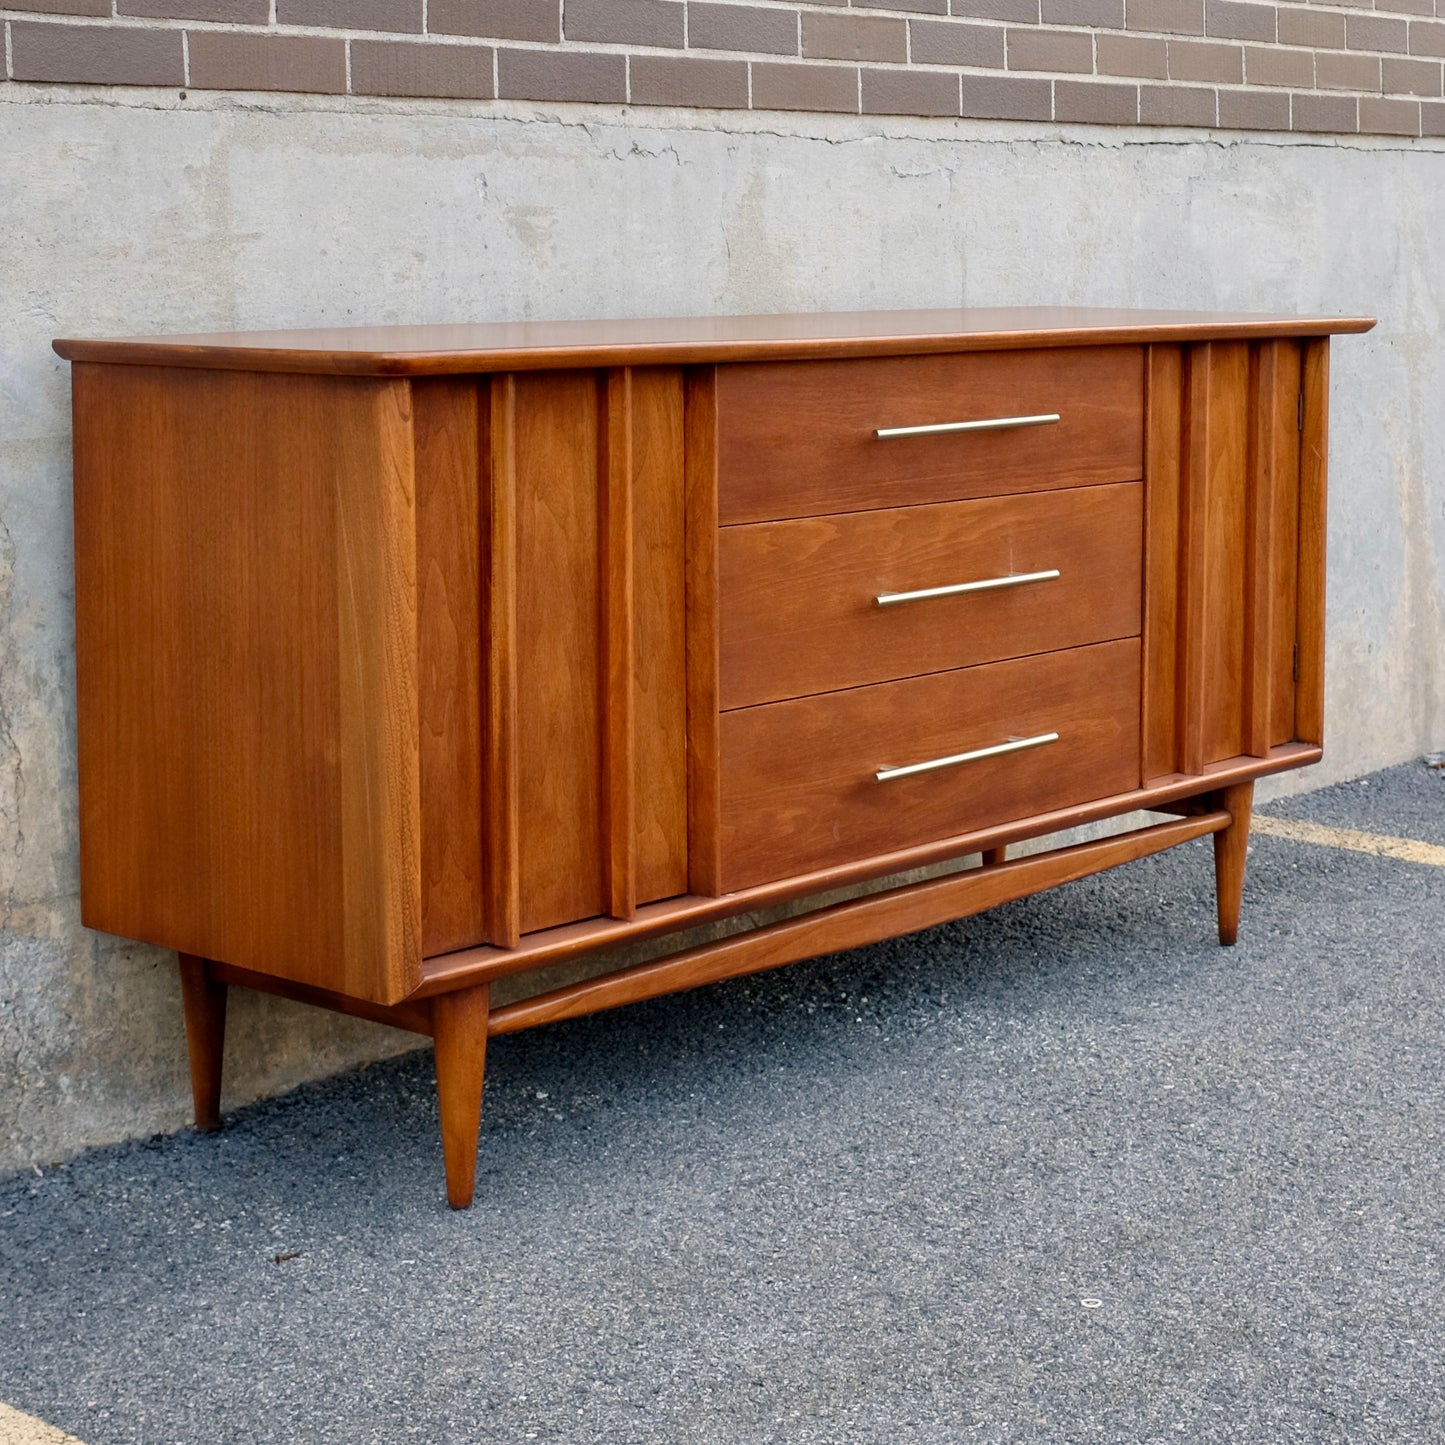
x=535 y=345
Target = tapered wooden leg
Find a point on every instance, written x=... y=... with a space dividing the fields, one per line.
x=204 y=999
x=460 y=1023
x=1230 y=845
x=995 y=855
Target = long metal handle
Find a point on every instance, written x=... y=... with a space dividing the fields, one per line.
x=996 y=423
x=1013 y=745
x=957 y=589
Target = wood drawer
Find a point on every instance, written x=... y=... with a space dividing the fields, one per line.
x=797 y=439
x=799 y=614
x=798 y=785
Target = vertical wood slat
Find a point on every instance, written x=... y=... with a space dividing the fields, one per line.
x=448 y=432
x=619 y=794
x=501 y=838
x=701 y=484
x=1314 y=447
x=659 y=706
x=1164 y=381
x=559 y=639
x=1193 y=544
x=1271 y=547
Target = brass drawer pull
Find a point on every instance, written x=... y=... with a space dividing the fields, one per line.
x=996 y=423
x=1013 y=745
x=988 y=584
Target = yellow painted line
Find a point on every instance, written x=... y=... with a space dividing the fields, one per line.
x=1407 y=850
x=19 y=1429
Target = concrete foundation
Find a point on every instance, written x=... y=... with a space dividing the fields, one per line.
x=133 y=212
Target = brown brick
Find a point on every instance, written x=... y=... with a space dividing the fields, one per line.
x=742 y=27
x=1267 y=65
x=560 y=75
x=1232 y=20
x=996 y=9
x=688 y=80
x=1202 y=60
x=1096 y=103
x=1376 y=32
x=95 y=54
x=497 y=19
x=1133 y=55
x=1411 y=7
x=1432 y=118
x=624 y=22
x=1411 y=77
x=804 y=87
x=1334 y=114
x=854 y=37
x=1346 y=72
x=1055 y=50
x=1007 y=97
x=1109 y=13
x=1426 y=39
x=400 y=16
x=909 y=92
x=919 y=7
x=66 y=7
x=954 y=42
x=1253 y=110
x=235 y=12
x=1321 y=29
x=1379 y=116
x=232 y=60
x=1166 y=17
x=406 y=67
x=1177 y=105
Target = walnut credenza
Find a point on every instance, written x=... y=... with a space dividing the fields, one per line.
x=413 y=658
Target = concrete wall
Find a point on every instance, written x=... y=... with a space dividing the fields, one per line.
x=130 y=212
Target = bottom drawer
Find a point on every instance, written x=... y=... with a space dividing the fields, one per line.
x=799 y=786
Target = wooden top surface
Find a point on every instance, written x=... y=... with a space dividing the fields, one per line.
x=543 y=345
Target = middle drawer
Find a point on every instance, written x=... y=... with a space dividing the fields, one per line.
x=800 y=614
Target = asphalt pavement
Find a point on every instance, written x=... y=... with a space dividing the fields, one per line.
x=1068 y=1171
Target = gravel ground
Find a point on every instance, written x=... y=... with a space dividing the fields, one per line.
x=1065 y=1172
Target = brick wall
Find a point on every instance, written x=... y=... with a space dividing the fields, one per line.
x=1352 y=66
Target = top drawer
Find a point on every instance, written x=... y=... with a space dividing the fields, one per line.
x=798 y=439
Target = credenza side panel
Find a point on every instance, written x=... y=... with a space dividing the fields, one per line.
x=246 y=670
x=449 y=645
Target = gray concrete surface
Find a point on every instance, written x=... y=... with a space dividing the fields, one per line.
x=133 y=211
x=1065 y=1172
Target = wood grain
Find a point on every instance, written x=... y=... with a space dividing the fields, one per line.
x=850 y=924
x=798 y=613
x=501 y=836
x=246 y=671
x=798 y=785
x=559 y=648
x=677 y=341
x=619 y=727
x=797 y=440
x=556 y=945
x=704 y=858
x=447 y=429
x=659 y=676
x=1164 y=455
x=1314 y=451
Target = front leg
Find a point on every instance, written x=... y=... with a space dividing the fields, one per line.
x=459 y=1024
x=1230 y=846
x=204 y=999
